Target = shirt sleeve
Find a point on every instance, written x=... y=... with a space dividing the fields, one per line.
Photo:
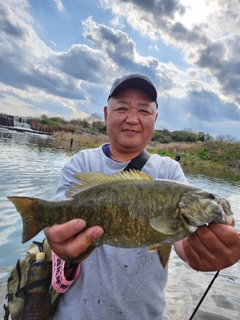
x=73 y=166
x=178 y=174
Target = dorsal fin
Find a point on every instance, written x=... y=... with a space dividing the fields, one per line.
x=76 y=187
x=131 y=175
x=88 y=179
x=92 y=178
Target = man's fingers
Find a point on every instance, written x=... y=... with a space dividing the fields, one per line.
x=59 y=233
x=68 y=240
x=212 y=247
x=82 y=241
x=228 y=235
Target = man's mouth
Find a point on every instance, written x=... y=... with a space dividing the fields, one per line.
x=130 y=131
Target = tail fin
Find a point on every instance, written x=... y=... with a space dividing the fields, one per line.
x=26 y=207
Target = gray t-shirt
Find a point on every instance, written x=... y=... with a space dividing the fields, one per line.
x=116 y=283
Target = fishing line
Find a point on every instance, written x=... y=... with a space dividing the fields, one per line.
x=204 y=295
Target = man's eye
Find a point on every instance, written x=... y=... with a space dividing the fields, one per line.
x=144 y=111
x=122 y=109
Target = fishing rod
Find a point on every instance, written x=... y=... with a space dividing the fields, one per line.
x=204 y=295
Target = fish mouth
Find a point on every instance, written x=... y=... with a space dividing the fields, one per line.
x=228 y=219
x=227 y=214
x=190 y=227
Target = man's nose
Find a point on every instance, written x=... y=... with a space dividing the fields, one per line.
x=132 y=117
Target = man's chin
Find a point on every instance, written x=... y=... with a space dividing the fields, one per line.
x=133 y=145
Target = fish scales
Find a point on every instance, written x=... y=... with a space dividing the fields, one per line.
x=133 y=209
x=119 y=207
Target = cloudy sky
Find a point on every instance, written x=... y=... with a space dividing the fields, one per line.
x=60 y=57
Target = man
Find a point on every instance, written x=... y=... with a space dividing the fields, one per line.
x=116 y=283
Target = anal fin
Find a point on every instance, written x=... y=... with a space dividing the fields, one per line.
x=164 y=252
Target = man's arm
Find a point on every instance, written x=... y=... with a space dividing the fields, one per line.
x=210 y=248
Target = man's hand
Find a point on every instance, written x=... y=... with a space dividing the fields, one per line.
x=66 y=241
x=210 y=248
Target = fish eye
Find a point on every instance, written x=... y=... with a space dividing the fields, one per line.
x=211 y=196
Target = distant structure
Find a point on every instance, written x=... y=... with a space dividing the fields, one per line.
x=15 y=123
x=25 y=125
x=21 y=122
x=6 y=120
x=11 y=121
x=48 y=129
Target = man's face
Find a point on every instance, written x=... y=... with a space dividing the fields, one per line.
x=130 y=118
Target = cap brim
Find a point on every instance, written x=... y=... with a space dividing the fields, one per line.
x=140 y=83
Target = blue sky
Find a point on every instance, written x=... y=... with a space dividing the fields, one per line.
x=60 y=58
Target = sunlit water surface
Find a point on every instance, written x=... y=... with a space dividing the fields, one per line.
x=30 y=166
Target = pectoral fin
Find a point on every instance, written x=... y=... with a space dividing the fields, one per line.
x=165 y=225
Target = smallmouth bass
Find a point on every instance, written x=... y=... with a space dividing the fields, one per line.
x=133 y=209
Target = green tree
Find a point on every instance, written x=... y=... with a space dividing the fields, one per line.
x=44 y=119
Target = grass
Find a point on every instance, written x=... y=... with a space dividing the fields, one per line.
x=217 y=157
x=81 y=140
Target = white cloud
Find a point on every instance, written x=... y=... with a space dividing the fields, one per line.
x=60 y=5
x=155 y=47
x=189 y=49
x=196 y=12
x=198 y=38
x=53 y=43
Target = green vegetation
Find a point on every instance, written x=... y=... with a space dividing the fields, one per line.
x=165 y=136
x=214 y=155
x=92 y=124
x=196 y=149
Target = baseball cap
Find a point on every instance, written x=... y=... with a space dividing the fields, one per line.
x=136 y=81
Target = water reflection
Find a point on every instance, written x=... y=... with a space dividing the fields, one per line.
x=30 y=165
x=211 y=171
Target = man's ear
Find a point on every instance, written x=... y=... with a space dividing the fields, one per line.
x=105 y=112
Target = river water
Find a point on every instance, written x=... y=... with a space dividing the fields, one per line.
x=30 y=165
